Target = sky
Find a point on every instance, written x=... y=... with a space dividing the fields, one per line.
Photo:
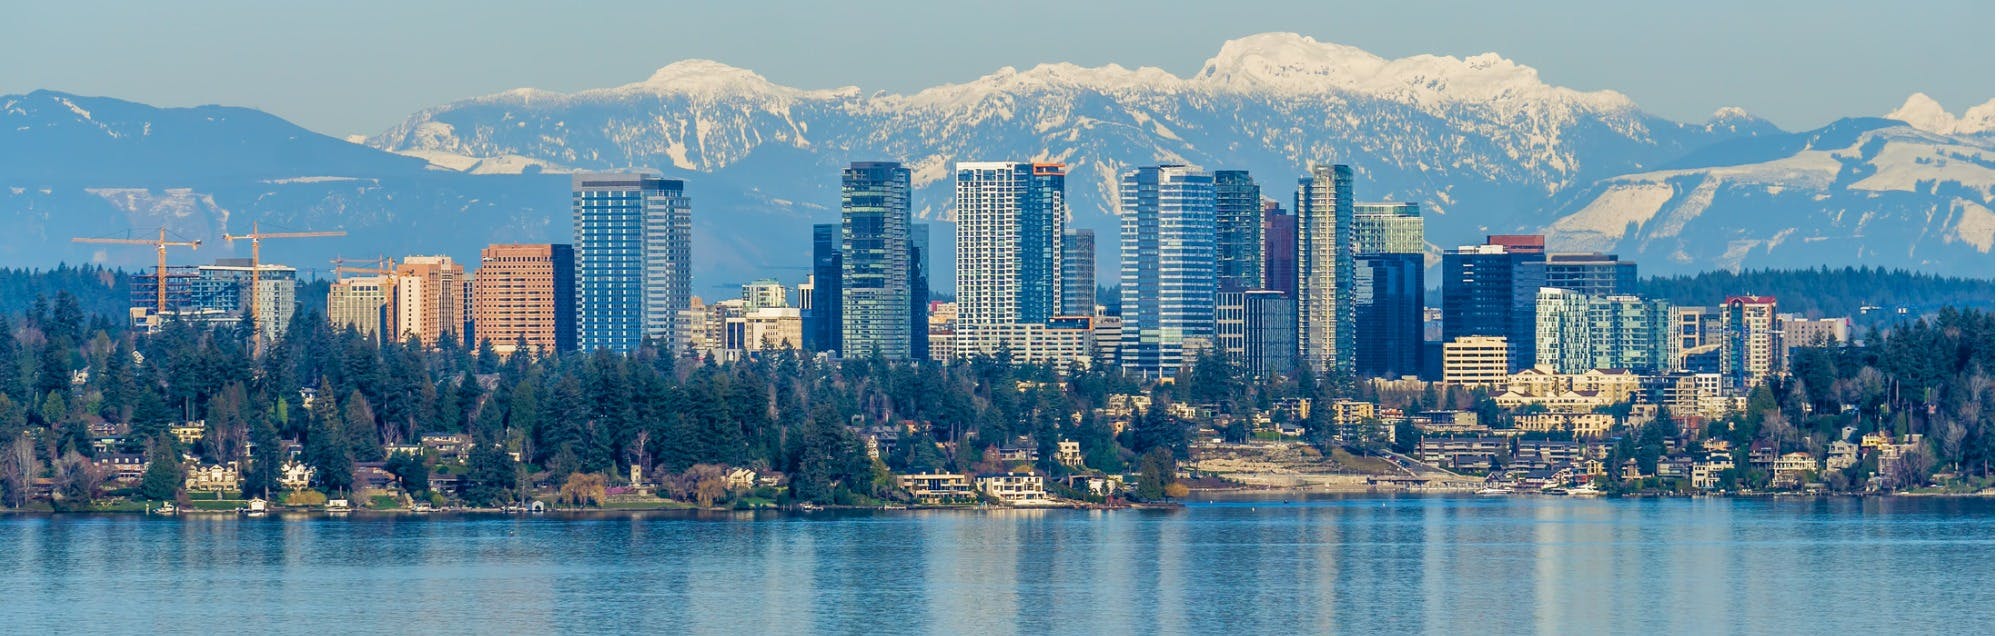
x=342 y=68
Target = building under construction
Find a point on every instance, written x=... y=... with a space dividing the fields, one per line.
x=217 y=294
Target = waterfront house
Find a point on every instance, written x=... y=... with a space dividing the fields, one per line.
x=936 y=488
x=1014 y=488
x=214 y=478
x=1707 y=475
x=294 y=475
x=1068 y=453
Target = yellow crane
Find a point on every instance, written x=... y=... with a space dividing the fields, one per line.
x=256 y=238
x=160 y=245
x=383 y=265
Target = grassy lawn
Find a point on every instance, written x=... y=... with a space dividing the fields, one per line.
x=384 y=502
x=1375 y=465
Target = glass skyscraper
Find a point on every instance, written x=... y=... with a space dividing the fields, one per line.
x=1238 y=232
x=1387 y=228
x=1079 y=273
x=634 y=267
x=874 y=260
x=1490 y=290
x=1011 y=217
x=821 y=315
x=1166 y=245
x=1388 y=314
x=919 y=291
x=1326 y=270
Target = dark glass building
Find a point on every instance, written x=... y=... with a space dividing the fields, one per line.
x=1388 y=314
x=1280 y=250
x=822 y=317
x=1238 y=232
x=1490 y=290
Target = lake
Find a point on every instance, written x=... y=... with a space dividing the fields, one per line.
x=1334 y=564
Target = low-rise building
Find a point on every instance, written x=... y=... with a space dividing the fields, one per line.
x=936 y=488
x=1587 y=425
x=1014 y=488
x=214 y=478
x=1068 y=453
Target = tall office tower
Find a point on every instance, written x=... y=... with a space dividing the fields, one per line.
x=874 y=260
x=1325 y=271
x=525 y=295
x=429 y=303
x=1490 y=290
x=919 y=291
x=1280 y=250
x=1751 y=345
x=765 y=292
x=1079 y=273
x=1594 y=273
x=1238 y=232
x=1270 y=333
x=1387 y=228
x=1009 y=242
x=1166 y=248
x=634 y=260
x=822 y=315
x=1388 y=314
x=359 y=303
x=1230 y=335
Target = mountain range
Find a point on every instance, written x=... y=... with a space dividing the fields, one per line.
x=1481 y=142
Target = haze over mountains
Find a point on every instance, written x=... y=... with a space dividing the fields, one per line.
x=1481 y=142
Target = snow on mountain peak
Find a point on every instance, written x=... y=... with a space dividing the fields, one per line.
x=712 y=78
x=1729 y=113
x=1923 y=113
x=1298 y=64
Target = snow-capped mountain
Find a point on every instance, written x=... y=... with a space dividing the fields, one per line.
x=1864 y=190
x=1482 y=142
x=93 y=166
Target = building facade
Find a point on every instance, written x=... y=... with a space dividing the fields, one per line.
x=1280 y=250
x=1326 y=271
x=1751 y=345
x=1166 y=248
x=525 y=295
x=1011 y=221
x=1270 y=333
x=1387 y=228
x=429 y=303
x=1238 y=232
x=1079 y=273
x=634 y=260
x=1491 y=289
x=1578 y=332
x=359 y=303
x=1476 y=361
x=822 y=312
x=874 y=261
x=1388 y=314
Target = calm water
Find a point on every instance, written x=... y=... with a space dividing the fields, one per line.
x=1348 y=565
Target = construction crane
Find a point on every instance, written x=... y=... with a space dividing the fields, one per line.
x=383 y=265
x=160 y=245
x=256 y=238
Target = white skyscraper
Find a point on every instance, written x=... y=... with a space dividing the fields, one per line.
x=1009 y=244
x=1325 y=271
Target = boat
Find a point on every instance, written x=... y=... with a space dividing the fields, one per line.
x=1494 y=490
x=338 y=505
x=1586 y=490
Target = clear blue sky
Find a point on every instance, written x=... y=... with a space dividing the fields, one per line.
x=360 y=67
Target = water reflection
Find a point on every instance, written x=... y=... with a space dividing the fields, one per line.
x=1323 y=565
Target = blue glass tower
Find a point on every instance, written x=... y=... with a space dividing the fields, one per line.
x=634 y=267
x=1166 y=244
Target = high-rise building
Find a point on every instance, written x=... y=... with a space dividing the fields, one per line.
x=765 y=292
x=874 y=260
x=1490 y=290
x=1388 y=314
x=1011 y=218
x=634 y=260
x=525 y=295
x=1238 y=232
x=1577 y=332
x=1079 y=273
x=1280 y=250
x=1166 y=248
x=359 y=303
x=429 y=303
x=225 y=287
x=1593 y=273
x=919 y=291
x=1270 y=333
x=1326 y=271
x=822 y=313
x=1387 y=228
x=1751 y=345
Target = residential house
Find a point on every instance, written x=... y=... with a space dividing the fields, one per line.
x=936 y=488
x=1014 y=488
